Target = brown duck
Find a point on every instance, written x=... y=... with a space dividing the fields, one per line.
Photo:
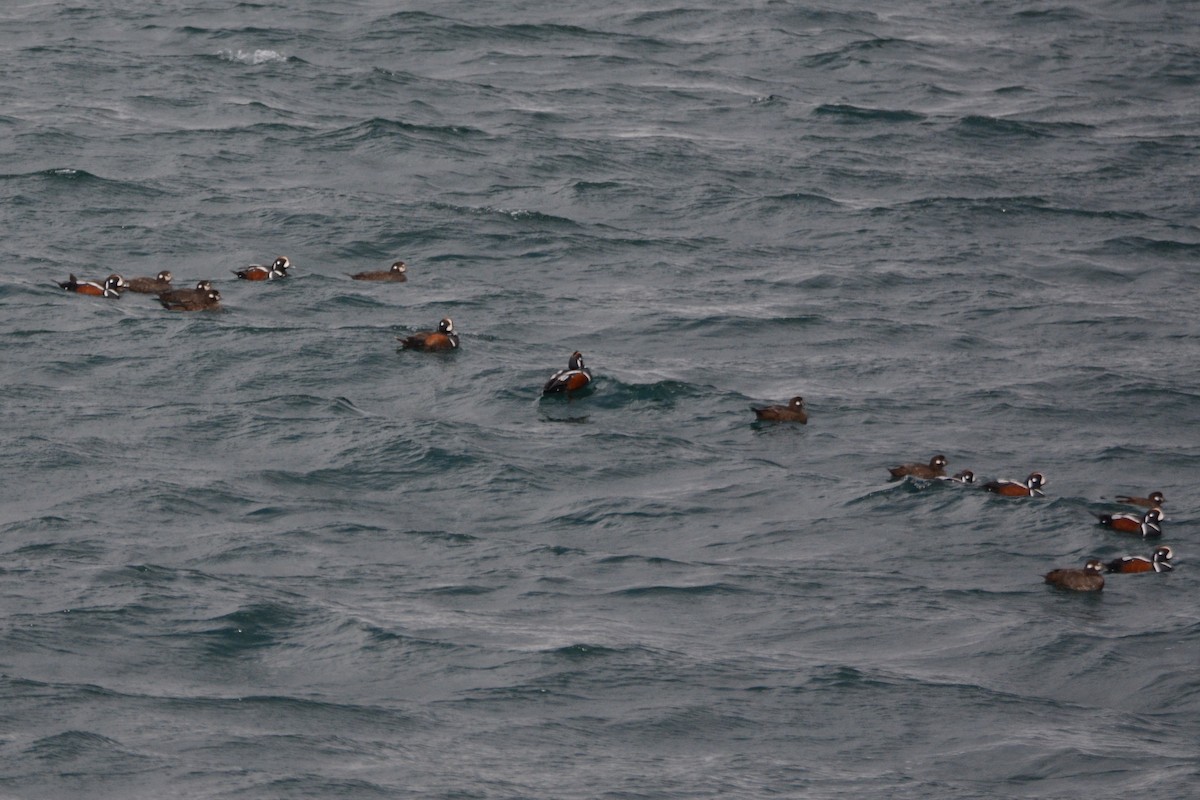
x=193 y=300
x=185 y=295
x=1088 y=579
x=394 y=275
x=156 y=285
x=1153 y=500
x=792 y=412
x=936 y=468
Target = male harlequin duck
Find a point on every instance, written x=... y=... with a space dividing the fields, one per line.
x=156 y=285
x=1159 y=561
x=792 y=412
x=966 y=476
x=395 y=274
x=1154 y=500
x=111 y=287
x=1149 y=524
x=575 y=378
x=444 y=338
x=1088 y=579
x=1032 y=487
x=258 y=272
x=191 y=300
x=936 y=468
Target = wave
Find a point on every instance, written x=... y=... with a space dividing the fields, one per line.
x=982 y=126
x=1051 y=14
x=695 y=590
x=1009 y=205
x=80 y=747
x=252 y=57
x=790 y=202
x=300 y=406
x=379 y=130
x=1143 y=245
x=850 y=113
x=79 y=185
x=866 y=51
x=509 y=214
x=609 y=393
x=582 y=651
x=246 y=630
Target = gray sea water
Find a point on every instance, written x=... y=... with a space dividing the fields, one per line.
x=260 y=553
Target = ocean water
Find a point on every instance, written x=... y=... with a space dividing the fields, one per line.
x=261 y=553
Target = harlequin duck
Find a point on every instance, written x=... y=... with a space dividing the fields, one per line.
x=1159 y=561
x=1088 y=579
x=444 y=338
x=111 y=287
x=575 y=378
x=258 y=272
x=1032 y=487
x=394 y=275
x=792 y=412
x=156 y=285
x=1154 y=500
x=934 y=469
x=193 y=300
x=177 y=296
x=966 y=476
x=1149 y=524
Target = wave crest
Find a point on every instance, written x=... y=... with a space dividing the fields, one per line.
x=253 y=57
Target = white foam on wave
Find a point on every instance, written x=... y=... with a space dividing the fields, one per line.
x=252 y=56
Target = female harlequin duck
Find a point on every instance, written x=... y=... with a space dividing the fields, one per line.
x=1149 y=524
x=395 y=274
x=1159 y=561
x=936 y=468
x=111 y=287
x=258 y=272
x=444 y=338
x=792 y=412
x=184 y=296
x=1088 y=579
x=191 y=300
x=156 y=285
x=1154 y=500
x=575 y=378
x=1032 y=487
